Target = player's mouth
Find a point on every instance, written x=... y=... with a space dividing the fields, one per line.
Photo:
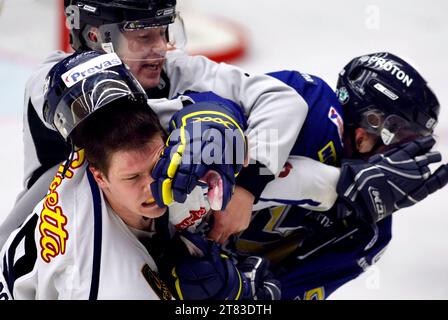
x=154 y=66
x=150 y=203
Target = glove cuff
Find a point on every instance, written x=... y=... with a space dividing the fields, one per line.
x=254 y=182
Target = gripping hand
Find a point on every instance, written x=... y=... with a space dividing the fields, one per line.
x=400 y=178
x=206 y=144
x=204 y=272
x=260 y=283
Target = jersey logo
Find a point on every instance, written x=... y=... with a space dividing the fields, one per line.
x=52 y=224
x=52 y=219
x=159 y=287
x=328 y=154
x=335 y=117
x=286 y=170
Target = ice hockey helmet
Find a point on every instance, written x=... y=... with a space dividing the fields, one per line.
x=96 y=13
x=84 y=82
x=382 y=82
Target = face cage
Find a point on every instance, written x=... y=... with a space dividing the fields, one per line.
x=145 y=40
x=391 y=128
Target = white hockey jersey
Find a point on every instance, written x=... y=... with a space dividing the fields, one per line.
x=269 y=104
x=73 y=247
x=289 y=188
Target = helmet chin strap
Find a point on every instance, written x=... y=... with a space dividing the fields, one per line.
x=69 y=160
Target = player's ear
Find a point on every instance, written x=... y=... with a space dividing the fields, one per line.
x=92 y=37
x=98 y=176
x=364 y=141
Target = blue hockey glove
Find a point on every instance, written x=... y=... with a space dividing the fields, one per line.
x=204 y=273
x=206 y=143
x=260 y=283
x=400 y=178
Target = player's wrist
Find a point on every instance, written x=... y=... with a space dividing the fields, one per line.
x=254 y=179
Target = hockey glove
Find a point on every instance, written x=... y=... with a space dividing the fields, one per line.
x=189 y=215
x=206 y=143
x=203 y=273
x=398 y=179
x=260 y=283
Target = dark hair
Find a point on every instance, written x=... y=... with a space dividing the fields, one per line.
x=117 y=127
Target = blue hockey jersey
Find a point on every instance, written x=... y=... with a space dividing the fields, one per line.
x=277 y=232
x=321 y=135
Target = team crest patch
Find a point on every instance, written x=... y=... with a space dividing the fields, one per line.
x=159 y=287
x=336 y=118
x=343 y=95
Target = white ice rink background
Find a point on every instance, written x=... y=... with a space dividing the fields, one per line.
x=316 y=37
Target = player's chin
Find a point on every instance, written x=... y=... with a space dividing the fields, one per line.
x=148 y=76
x=149 y=82
x=151 y=210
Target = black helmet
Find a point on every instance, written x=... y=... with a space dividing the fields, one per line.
x=384 y=94
x=128 y=14
x=85 y=82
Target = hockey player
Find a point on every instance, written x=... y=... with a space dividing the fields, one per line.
x=383 y=102
x=382 y=111
x=96 y=233
x=140 y=32
x=323 y=132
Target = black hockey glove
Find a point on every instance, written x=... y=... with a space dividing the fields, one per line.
x=259 y=281
x=400 y=178
x=199 y=271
